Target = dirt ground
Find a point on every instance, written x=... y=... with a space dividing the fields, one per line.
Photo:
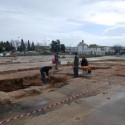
x=21 y=89
x=16 y=84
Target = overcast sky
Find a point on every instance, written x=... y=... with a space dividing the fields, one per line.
x=95 y=21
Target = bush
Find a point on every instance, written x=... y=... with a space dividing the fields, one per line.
x=63 y=56
x=46 y=53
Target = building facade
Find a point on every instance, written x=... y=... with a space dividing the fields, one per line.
x=93 y=49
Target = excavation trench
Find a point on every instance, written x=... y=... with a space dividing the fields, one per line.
x=9 y=85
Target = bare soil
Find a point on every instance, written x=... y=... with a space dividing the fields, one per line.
x=102 y=72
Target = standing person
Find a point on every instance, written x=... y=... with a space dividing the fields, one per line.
x=59 y=60
x=56 y=61
x=76 y=65
x=45 y=72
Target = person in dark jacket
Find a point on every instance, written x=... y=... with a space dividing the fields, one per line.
x=84 y=62
x=45 y=72
x=76 y=65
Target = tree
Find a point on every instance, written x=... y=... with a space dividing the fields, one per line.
x=33 y=46
x=7 y=46
x=1 y=46
x=28 y=46
x=22 y=46
x=117 y=48
x=58 y=45
x=62 y=48
x=55 y=46
x=13 y=45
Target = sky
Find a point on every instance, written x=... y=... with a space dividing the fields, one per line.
x=100 y=22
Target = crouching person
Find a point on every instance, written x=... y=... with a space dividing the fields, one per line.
x=84 y=63
x=45 y=72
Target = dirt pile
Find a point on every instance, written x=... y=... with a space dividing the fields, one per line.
x=25 y=92
x=4 y=98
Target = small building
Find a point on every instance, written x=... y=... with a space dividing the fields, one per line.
x=74 y=50
x=107 y=49
x=71 y=50
x=96 y=50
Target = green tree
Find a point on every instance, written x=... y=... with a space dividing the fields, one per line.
x=22 y=46
x=57 y=47
x=7 y=46
x=1 y=46
x=32 y=46
x=28 y=46
x=62 y=48
x=117 y=48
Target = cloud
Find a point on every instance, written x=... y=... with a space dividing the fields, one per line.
x=105 y=12
x=71 y=20
x=116 y=31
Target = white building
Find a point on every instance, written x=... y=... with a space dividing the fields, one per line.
x=82 y=47
x=96 y=50
x=107 y=49
x=93 y=49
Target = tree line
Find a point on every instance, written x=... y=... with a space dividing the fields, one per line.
x=6 y=46
x=56 y=46
x=21 y=46
x=13 y=46
x=26 y=46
